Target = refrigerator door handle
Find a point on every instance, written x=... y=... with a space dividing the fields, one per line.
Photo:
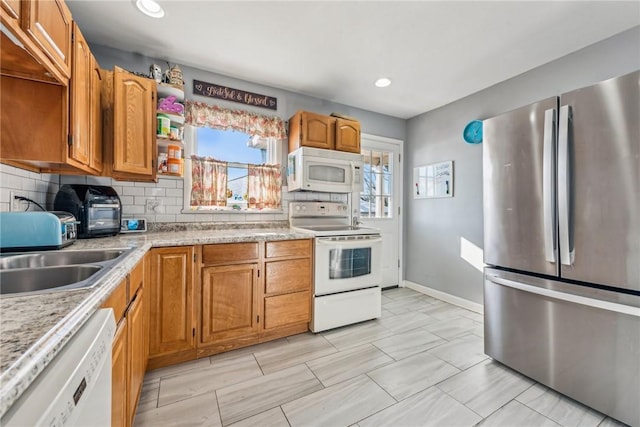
x=567 y=254
x=549 y=185
x=562 y=296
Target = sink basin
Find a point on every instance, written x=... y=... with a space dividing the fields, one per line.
x=21 y=280
x=39 y=272
x=57 y=258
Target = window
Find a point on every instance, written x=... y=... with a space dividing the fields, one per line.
x=375 y=199
x=239 y=151
x=233 y=159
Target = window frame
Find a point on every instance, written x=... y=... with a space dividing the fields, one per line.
x=190 y=148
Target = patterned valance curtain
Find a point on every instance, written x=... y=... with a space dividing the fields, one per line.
x=205 y=115
x=264 y=186
x=208 y=182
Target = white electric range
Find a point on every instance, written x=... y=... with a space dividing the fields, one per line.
x=347 y=273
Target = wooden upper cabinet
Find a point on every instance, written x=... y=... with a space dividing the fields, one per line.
x=13 y=9
x=95 y=161
x=171 y=294
x=49 y=24
x=130 y=138
x=308 y=129
x=80 y=148
x=229 y=298
x=22 y=54
x=348 y=135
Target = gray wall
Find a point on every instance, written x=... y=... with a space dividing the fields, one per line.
x=434 y=227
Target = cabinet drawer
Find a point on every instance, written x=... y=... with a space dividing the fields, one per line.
x=135 y=278
x=229 y=252
x=117 y=300
x=287 y=276
x=286 y=309
x=289 y=248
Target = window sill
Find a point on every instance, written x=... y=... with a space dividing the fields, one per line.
x=232 y=211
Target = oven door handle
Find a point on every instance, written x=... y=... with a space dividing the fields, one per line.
x=349 y=242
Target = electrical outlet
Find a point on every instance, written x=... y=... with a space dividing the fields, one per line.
x=154 y=206
x=14 y=204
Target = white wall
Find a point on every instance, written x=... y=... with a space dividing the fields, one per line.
x=40 y=188
x=437 y=229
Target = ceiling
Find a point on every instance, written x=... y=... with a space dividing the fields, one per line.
x=435 y=52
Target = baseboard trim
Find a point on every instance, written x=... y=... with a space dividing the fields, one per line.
x=451 y=299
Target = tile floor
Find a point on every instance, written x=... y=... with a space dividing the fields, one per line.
x=421 y=364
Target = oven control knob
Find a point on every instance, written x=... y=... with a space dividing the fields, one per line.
x=304 y=208
x=297 y=208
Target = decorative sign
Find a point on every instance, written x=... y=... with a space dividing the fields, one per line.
x=236 y=95
x=433 y=181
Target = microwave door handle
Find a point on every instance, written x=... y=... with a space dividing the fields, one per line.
x=353 y=173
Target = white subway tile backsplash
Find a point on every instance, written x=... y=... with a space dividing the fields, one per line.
x=132 y=191
x=99 y=180
x=154 y=192
x=145 y=184
x=126 y=200
x=172 y=209
x=186 y=218
x=133 y=209
x=141 y=200
x=167 y=183
x=39 y=188
x=204 y=218
x=43 y=187
x=73 y=179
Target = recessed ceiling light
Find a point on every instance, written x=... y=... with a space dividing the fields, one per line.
x=383 y=82
x=150 y=8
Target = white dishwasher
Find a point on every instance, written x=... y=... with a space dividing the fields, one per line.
x=75 y=388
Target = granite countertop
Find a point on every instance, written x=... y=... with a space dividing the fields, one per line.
x=34 y=328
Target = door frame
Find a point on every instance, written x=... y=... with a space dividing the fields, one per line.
x=399 y=197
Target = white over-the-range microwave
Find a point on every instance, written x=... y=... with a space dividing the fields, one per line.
x=331 y=171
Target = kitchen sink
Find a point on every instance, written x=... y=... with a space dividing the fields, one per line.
x=54 y=258
x=20 y=280
x=40 y=272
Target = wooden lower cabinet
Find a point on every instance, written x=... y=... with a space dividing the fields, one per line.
x=287 y=309
x=172 y=309
x=119 y=377
x=242 y=294
x=136 y=338
x=128 y=353
x=229 y=302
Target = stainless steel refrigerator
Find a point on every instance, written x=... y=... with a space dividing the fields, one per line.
x=562 y=241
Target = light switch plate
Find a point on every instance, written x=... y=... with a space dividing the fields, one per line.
x=133 y=225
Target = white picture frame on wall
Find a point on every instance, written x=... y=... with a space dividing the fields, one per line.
x=433 y=181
